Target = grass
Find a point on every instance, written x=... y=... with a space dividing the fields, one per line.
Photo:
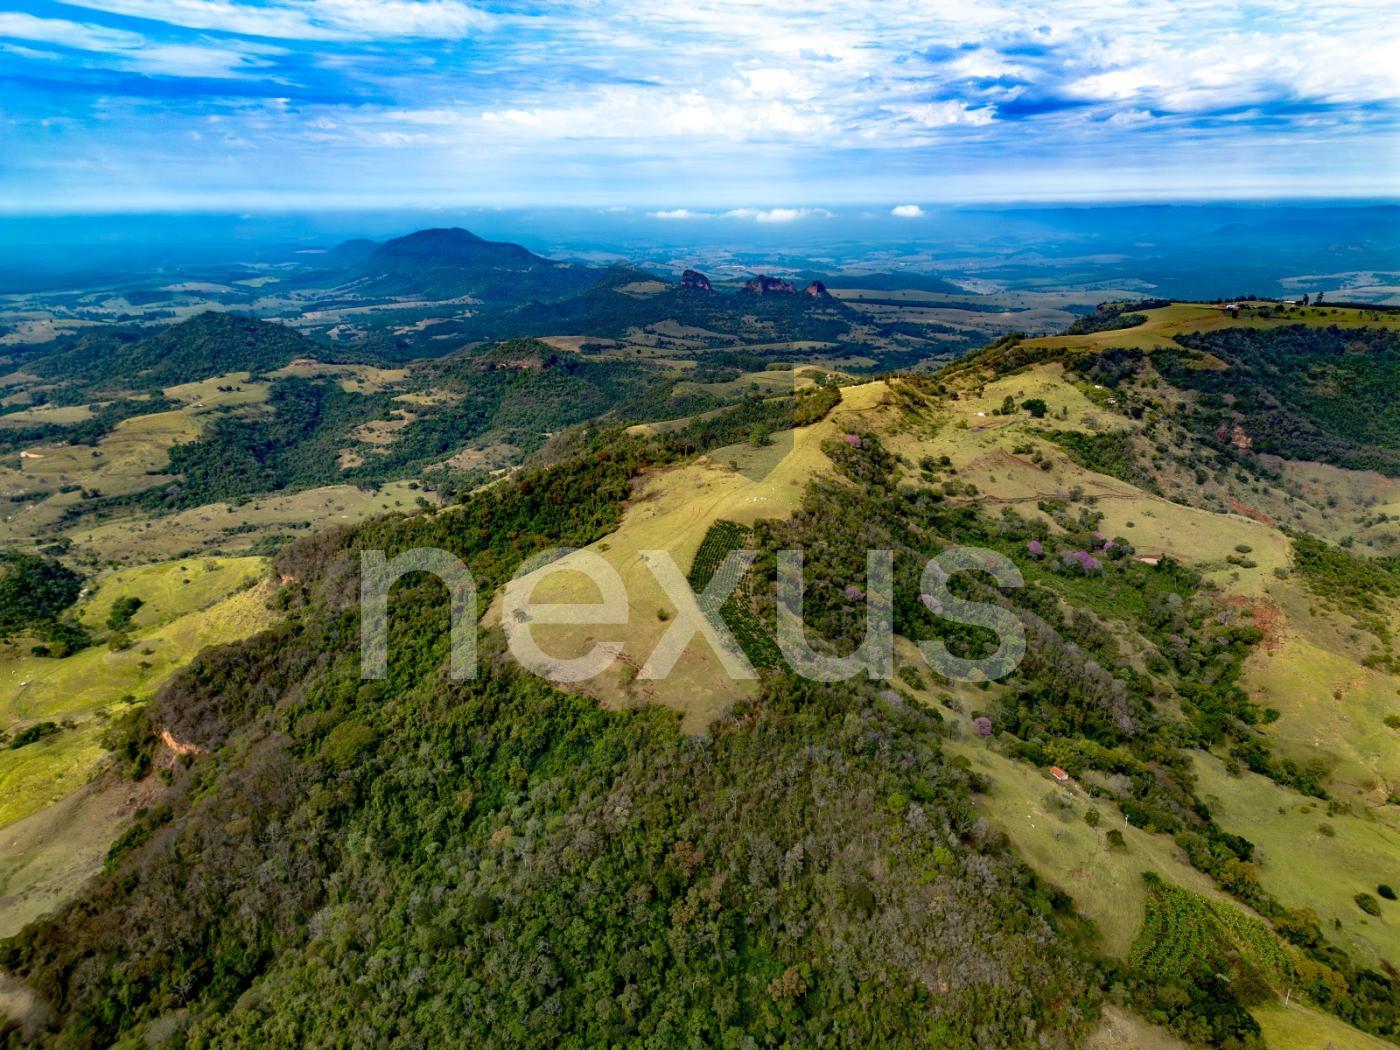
x=770 y=381
x=1105 y=884
x=983 y=450
x=1293 y=1026
x=355 y=379
x=47 y=855
x=1303 y=865
x=62 y=415
x=205 y=396
x=135 y=447
x=230 y=528
x=672 y=511
x=1333 y=710
x=34 y=688
x=168 y=589
x=90 y=685
x=1168 y=321
x=48 y=770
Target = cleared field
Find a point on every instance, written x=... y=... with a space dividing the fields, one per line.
x=672 y=511
x=168 y=589
x=136 y=447
x=231 y=528
x=1165 y=322
x=355 y=379
x=1295 y=1027
x=47 y=770
x=1121 y=1030
x=45 y=857
x=1308 y=858
x=205 y=395
x=769 y=381
x=60 y=415
x=982 y=447
x=1045 y=821
x=34 y=688
x=1333 y=710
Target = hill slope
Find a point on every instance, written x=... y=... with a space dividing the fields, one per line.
x=860 y=863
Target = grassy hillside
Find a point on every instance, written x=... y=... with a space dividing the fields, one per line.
x=771 y=861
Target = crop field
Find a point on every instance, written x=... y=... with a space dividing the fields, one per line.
x=756 y=641
x=1181 y=928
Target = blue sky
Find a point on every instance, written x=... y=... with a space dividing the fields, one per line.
x=691 y=108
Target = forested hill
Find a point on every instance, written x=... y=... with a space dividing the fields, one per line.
x=494 y=863
x=209 y=344
x=452 y=263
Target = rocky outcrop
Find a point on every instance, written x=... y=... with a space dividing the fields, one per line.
x=765 y=285
x=695 y=281
x=816 y=290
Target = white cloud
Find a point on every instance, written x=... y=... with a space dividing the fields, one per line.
x=1129 y=117
x=677 y=213
x=776 y=215
x=313 y=20
x=59 y=31
x=907 y=211
x=946 y=114
x=120 y=49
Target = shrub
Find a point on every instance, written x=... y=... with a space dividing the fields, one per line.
x=30 y=734
x=1367 y=903
x=123 y=609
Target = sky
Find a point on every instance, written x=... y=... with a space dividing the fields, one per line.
x=765 y=112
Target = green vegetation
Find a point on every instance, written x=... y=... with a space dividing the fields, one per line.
x=486 y=827
x=1198 y=967
x=737 y=610
x=123 y=609
x=1111 y=317
x=1297 y=391
x=209 y=344
x=1112 y=453
x=30 y=734
x=34 y=592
